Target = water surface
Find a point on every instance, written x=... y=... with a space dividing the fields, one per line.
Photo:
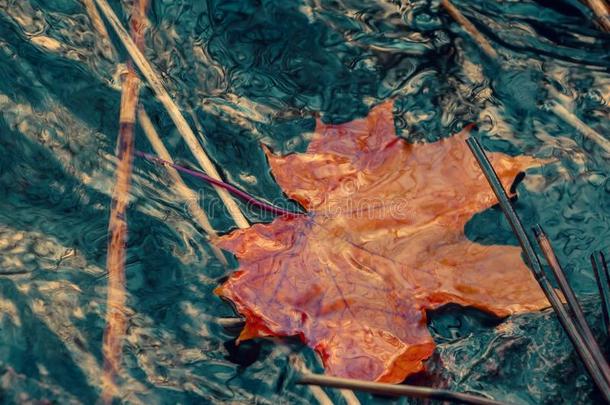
x=252 y=72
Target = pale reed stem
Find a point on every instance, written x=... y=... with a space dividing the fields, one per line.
x=98 y=25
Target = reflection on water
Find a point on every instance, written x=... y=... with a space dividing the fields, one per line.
x=248 y=72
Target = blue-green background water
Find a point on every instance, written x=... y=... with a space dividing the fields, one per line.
x=260 y=71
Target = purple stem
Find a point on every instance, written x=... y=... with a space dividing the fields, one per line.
x=231 y=189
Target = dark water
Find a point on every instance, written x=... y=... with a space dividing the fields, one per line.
x=261 y=71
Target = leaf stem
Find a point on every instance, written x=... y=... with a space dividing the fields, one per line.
x=219 y=183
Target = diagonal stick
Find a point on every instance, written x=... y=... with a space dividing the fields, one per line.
x=470 y=29
x=580 y=126
x=412 y=391
x=98 y=24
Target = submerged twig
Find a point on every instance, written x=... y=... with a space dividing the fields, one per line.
x=218 y=183
x=15 y=272
x=172 y=109
x=566 y=321
x=602 y=11
x=117 y=227
x=232 y=323
x=572 y=301
x=411 y=391
x=563 y=113
x=178 y=184
x=320 y=396
x=318 y=393
x=98 y=25
x=600 y=268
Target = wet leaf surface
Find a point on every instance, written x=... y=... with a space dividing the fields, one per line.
x=383 y=242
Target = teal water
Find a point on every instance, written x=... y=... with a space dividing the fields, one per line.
x=260 y=71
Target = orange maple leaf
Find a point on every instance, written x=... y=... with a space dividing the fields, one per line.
x=384 y=241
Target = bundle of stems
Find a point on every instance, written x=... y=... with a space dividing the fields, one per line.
x=571 y=316
x=188 y=195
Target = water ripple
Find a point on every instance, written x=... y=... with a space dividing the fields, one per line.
x=247 y=72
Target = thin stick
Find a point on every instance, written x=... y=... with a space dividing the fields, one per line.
x=534 y=264
x=231 y=323
x=470 y=29
x=601 y=11
x=116 y=321
x=16 y=272
x=603 y=284
x=580 y=126
x=349 y=396
x=172 y=109
x=573 y=304
x=318 y=393
x=99 y=26
x=556 y=108
x=230 y=188
x=393 y=389
x=178 y=184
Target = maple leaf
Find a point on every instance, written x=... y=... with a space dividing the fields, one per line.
x=384 y=241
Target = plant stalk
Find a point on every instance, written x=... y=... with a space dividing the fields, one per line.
x=532 y=259
x=116 y=321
